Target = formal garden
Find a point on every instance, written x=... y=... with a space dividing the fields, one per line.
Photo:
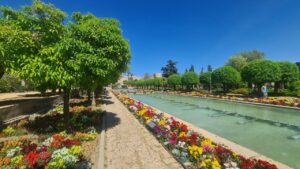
x=250 y=102
x=241 y=79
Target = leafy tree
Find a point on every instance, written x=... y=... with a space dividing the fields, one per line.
x=237 y=62
x=174 y=80
x=289 y=73
x=169 y=69
x=190 y=79
x=205 y=79
x=31 y=30
x=192 y=68
x=227 y=76
x=261 y=71
x=87 y=52
x=209 y=68
x=252 y=55
x=298 y=64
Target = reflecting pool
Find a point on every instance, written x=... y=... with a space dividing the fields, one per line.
x=271 y=131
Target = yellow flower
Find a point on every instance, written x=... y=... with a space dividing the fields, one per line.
x=203 y=164
x=9 y=131
x=75 y=150
x=207 y=142
x=196 y=151
x=182 y=134
x=162 y=122
x=215 y=164
x=142 y=112
x=17 y=159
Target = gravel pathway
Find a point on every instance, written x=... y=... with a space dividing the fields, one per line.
x=129 y=145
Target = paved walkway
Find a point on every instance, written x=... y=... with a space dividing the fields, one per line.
x=129 y=144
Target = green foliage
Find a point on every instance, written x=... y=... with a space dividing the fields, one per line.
x=244 y=91
x=294 y=87
x=261 y=71
x=192 y=68
x=169 y=69
x=289 y=72
x=227 y=76
x=174 y=80
x=36 y=44
x=252 y=55
x=190 y=78
x=205 y=78
x=237 y=62
x=10 y=83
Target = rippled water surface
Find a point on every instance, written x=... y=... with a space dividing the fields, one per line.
x=274 y=132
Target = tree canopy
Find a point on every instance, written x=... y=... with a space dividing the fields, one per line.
x=252 y=55
x=227 y=76
x=169 y=69
x=87 y=52
x=174 y=80
x=261 y=71
x=237 y=62
x=189 y=79
x=289 y=72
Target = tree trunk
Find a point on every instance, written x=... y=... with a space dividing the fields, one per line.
x=43 y=92
x=276 y=87
x=259 y=92
x=224 y=88
x=89 y=95
x=67 y=108
x=1 y=74
x=1 y=71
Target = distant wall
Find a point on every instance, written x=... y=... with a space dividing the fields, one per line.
x=24 y=106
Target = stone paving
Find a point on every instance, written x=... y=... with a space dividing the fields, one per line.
x=129 y=145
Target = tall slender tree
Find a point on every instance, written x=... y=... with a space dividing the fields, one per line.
x=169 y=69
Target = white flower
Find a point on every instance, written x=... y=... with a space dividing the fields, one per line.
x=181 y=144
x=48 y=141
x=12 y=152
x=64 y=154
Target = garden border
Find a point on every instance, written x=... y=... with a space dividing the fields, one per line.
x=222 y=141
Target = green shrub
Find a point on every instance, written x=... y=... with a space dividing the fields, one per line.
x=9 y=83
x=244 y=91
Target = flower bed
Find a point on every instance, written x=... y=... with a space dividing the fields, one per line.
x=187 y=146
x=58 y=151
x=281 y=101
x=53 y=147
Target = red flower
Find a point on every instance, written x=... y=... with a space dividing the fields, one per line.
x=28 y=148
x=247 y=164
x=32 y=158
x=264 y=164
x=183 y=127
x=58 y=137
x=194 y=139
x=56 y=144
x=71 y=142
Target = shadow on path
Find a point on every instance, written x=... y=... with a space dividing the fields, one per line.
x=111 y=120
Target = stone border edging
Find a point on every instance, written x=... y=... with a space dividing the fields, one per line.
x=224 y=142
x=101 y=143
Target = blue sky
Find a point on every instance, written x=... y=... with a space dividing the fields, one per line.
x=198 y=32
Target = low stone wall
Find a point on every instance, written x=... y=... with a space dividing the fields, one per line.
x=25 y=106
